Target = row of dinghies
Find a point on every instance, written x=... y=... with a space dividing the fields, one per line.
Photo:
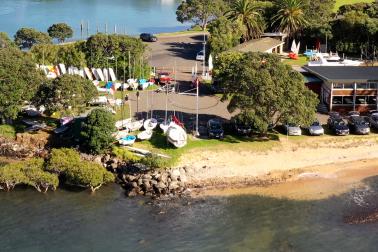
x=174 y=131
x=105 y=74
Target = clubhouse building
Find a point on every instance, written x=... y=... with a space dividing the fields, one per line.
x=346 y=88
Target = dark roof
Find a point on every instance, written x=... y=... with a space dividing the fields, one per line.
x=258 y=45
x=344 y=73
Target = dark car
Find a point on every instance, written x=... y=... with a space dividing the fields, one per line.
x=148 y=37
x=373 y=119
x=215 y=129
x=358 y=124
x=241 y=127
x=338 y=125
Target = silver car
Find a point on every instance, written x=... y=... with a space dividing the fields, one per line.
x=293 y=129
x=316 y=129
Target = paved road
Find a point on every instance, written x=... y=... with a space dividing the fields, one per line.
x=178 y=52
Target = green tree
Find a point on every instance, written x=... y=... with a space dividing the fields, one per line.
x=61 y=160
x=67 y=92
x=224 y=35
x=113 y=50
x=19 y=80
x=97 y=131
x=60 y=31
x=290 y=17
x=27 y=37
x=5 y=41
x=45 y=54
x=70 y=55
x=89 y=175
x=264 y=89
x=41 y=180
x=247 y=13
x=199 y=12
x=10 y=176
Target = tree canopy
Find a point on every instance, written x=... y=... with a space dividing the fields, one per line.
x=60 y=31
x=199 y=12
x=225 y=34
x=27 y=37
x=66 y=93
x=97 y=131
x=264 y=90
x=113 y=50
x=5 y=41
x=19 y=80
x=248 y=14
x=30 y=173
x=290 y=17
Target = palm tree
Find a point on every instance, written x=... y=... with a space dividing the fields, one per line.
x=290 y=17
x=247 y=13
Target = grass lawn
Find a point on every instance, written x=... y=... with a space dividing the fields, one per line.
x=7 y=131
x=159 y=145
x=189 y=31
x=343 y=2
x=301 y=61
x=126 y=112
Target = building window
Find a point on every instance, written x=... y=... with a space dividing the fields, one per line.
x=361 y=100
x=372 y=85
x=348 y=100
x=337 y=100
x=338 y=86
x=372 y=100
x=362 y=86
x=349 y=86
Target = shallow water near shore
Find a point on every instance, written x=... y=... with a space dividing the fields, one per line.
x=108 y=221
x=132 y=16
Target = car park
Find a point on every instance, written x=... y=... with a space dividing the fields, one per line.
x=200 y=55
x=293 y=129
x=316 y=129
x=338 y=125
x=215 y=129
x=358 y=124
x=148 y=37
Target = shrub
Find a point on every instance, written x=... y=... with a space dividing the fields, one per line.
x=61 y=160
x=7 y=131
x=88 y=175
x=154 y=161
x=125 y=155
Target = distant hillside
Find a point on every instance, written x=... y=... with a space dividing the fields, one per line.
x=342 y=2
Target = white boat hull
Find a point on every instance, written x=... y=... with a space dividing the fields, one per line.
x=177 y=136
x=150 y=124
x=145 y=135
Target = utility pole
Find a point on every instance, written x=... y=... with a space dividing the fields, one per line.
x=204 y=55
x=197 y=130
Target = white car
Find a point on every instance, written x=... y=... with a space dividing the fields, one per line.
x=200 y=55
x=293 y=129
x=316 y=129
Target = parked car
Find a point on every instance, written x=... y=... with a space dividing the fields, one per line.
x=215 y=129
x=148 y=37
x=316 y=129
x=358 y=124
x=338 y=125
x=241 y=128
x=163 y=78
x=200 y=55
x=373 y=119
x=293 y=129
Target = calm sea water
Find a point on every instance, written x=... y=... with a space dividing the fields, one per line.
x=108 y=221
x=132 y=16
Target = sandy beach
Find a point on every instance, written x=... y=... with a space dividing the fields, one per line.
x=307 y=169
